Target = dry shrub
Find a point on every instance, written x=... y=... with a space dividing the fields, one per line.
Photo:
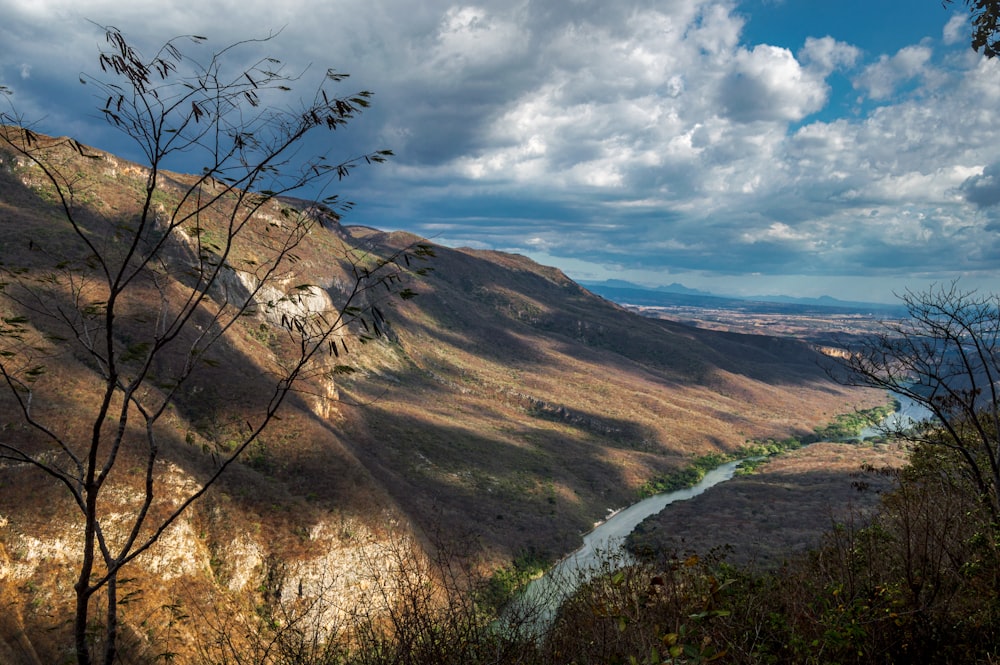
x=916 y=582
x=415 y=610
x=651 y=612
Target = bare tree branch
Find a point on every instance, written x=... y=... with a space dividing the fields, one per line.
x=140 y=301
x=944 y=357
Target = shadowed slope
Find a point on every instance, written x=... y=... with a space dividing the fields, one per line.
x=505 y=403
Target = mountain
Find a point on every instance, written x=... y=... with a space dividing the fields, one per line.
x=623 y=284
x=625 y=292
x=506 y=409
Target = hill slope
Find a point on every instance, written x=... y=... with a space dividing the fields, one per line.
x=531 y=406
x=507 y=407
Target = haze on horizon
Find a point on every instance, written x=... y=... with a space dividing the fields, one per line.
x=740 y=147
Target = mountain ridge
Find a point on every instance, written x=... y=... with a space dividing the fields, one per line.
x=622 y=291
x=506 y=406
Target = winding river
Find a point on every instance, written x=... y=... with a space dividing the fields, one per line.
x=601 y=548
x=909 y=413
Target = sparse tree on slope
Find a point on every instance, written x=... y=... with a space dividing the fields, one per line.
x=141 y=300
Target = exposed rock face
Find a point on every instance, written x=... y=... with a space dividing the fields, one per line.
x=341 y=567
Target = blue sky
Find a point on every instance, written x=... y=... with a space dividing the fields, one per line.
x=768 y=146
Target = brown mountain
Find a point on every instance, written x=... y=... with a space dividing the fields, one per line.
x=507 y=408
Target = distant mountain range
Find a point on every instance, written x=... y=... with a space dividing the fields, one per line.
x=678 y=295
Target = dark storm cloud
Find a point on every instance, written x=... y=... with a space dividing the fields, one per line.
x=983 y=190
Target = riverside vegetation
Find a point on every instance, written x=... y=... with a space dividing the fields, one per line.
x=916 y=582
x=846 y=426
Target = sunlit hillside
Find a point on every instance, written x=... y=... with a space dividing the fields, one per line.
x=505 y=409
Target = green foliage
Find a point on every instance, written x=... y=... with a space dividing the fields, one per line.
x=258 y=457
x=769 y=447
x=695 y=471
x=750 y=466
x=688 y=476
x=849 y=425
x=504 y=584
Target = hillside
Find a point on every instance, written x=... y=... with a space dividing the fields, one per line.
x=507 y=408
x=532 y=407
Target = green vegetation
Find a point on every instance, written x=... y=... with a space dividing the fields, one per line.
x=750 y=466
x=510 y=580
x=844 y=428
x=849 y=425
x=689 y=476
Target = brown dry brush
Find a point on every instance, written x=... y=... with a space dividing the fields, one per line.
x=652 y=612
x=415 y=610
x=917 y=582
x=143 y=304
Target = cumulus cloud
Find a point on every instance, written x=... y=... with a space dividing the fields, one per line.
x=826 y=54
x=881 y=79
x=474 y=41
x=983 y=189
x=767 y=83
x=645 y=134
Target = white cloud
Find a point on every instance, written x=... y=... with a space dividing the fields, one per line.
x=471 y=38
x=881 y=79
x=955 y=30
x=983 y=189
x=826 y=54
x=647 y=126
x=767 y=83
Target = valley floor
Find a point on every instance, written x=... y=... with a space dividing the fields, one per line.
x=781 y=509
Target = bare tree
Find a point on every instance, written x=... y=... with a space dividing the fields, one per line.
x=141 y=298
x=945 y=356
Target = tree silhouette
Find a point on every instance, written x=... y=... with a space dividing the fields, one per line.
x=142 y=298
x=985 y=25
x=945 y=356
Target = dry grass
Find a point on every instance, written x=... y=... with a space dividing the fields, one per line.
x=781 y=510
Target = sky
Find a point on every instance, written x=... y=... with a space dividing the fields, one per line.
x=754 y=147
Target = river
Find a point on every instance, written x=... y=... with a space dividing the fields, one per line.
x=601 y=550
x=908 y=414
